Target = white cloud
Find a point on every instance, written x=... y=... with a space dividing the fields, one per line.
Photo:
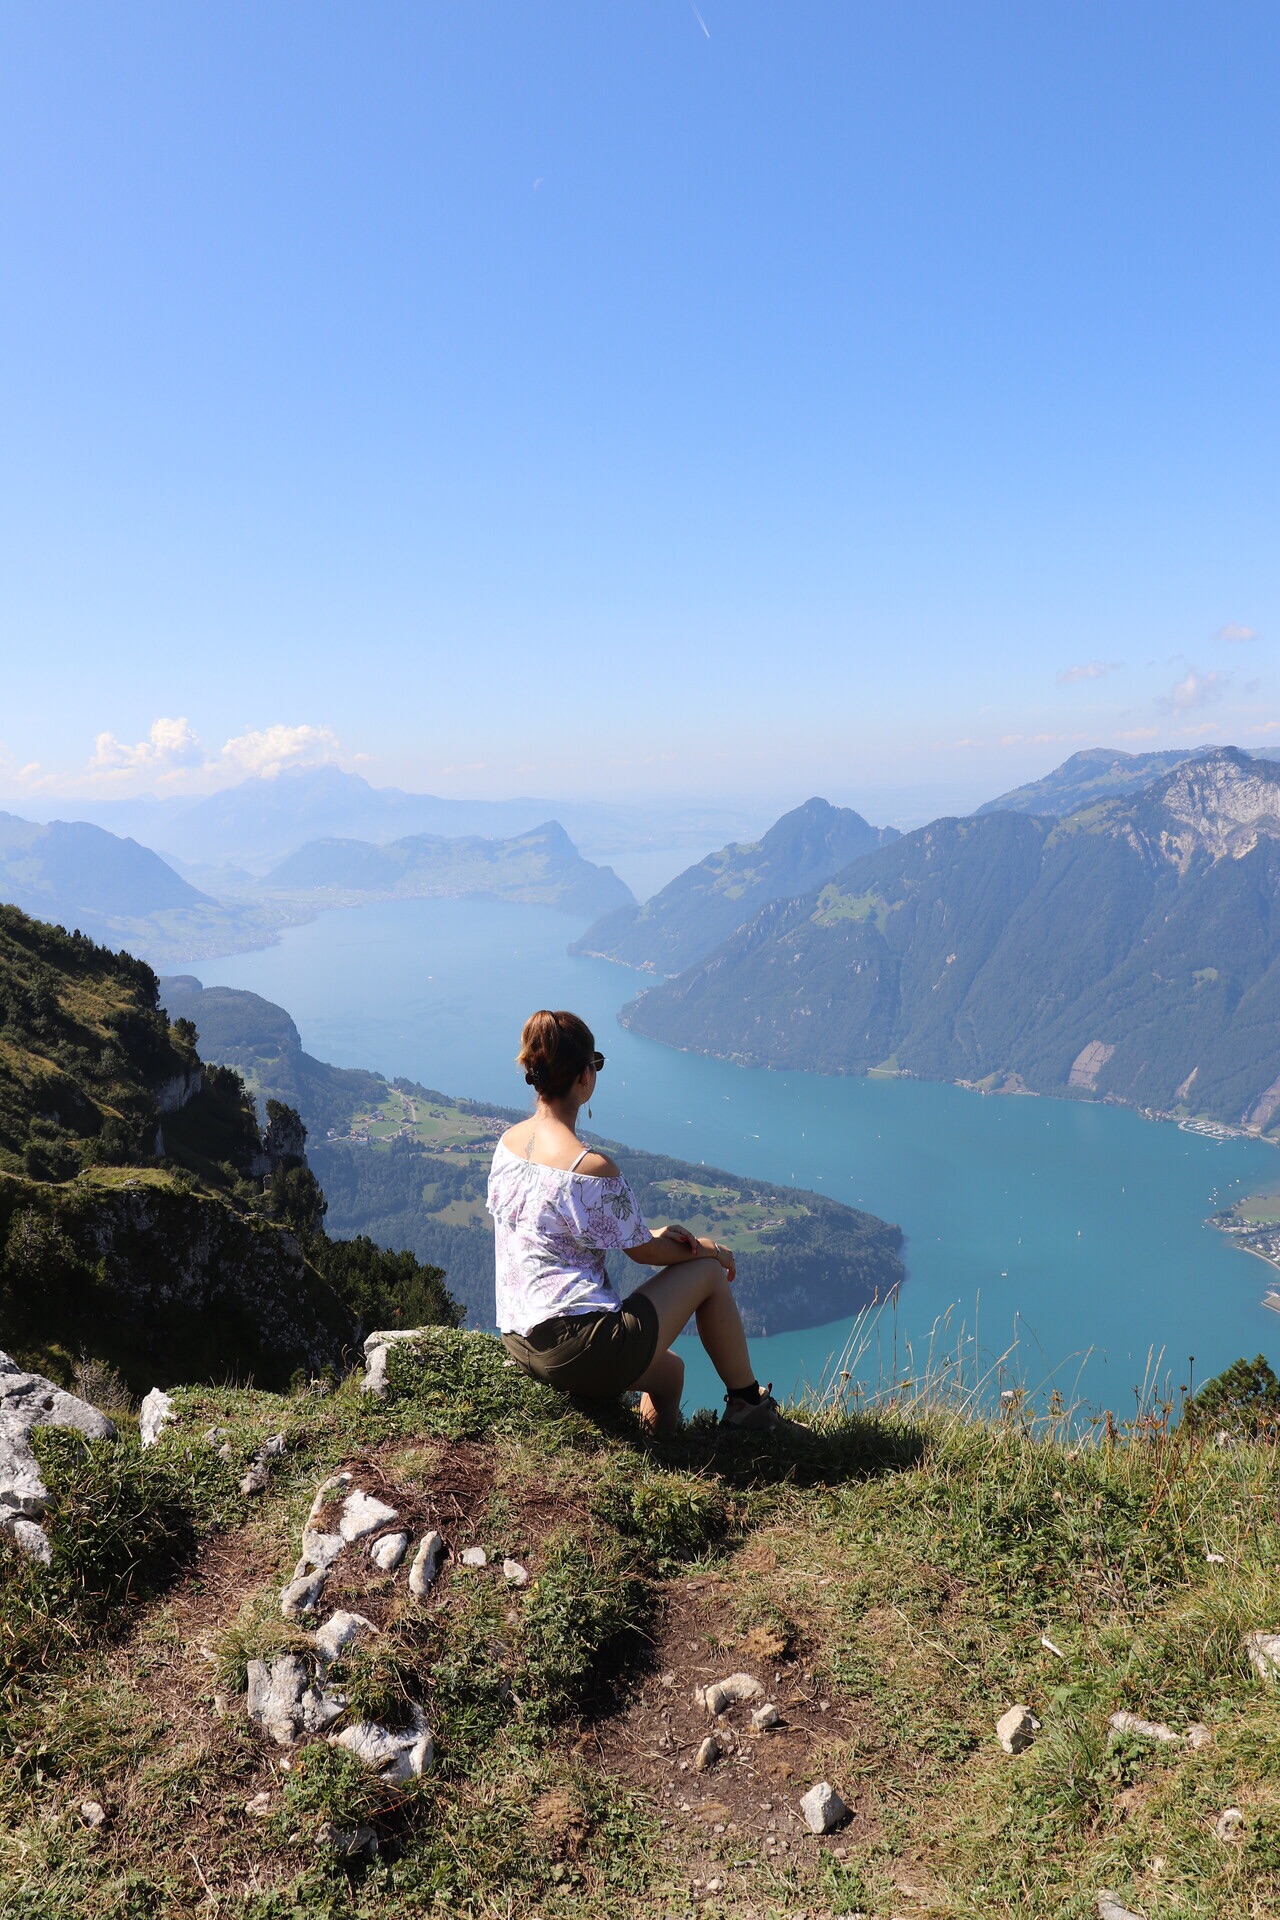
x=1087 y=670
x=1139 y=733
x=268 y=751
x=1195 y=690
x=169 y=745
x=1236 y=636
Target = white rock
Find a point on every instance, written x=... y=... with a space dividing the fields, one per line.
x=93 y=1813
x=516 y=1575
x=303 y=1593
x=426 y=1563
x=375 y=1356
x=319 y=1550
x=256 y=1480
x=338 y=1631
x=272 y=1449
x=33 y=1540
x=389 y=1551
x=1110 y=1908
x=725 y=1693
x=1229 y=1824
x=1145 y=1729
x=1264 y=1650
x=259 y=1808
x=362 y=1514
x=708 y=1753
x=765 y=1717
x=475 y=1557
x=335 y=1484
x=155 y=1414
x=823 y=1808
x=285 y=1702
x=1216 y=1559
x=396 y=1755
x=1016 y=1729
x=1198 y=1736
x=28 y=1400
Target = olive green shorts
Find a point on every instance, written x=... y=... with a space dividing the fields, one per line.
x=596 y=1354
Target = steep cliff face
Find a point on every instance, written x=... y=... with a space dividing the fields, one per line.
x=133 y=1224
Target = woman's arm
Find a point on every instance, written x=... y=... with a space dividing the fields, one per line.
x=670 y=1249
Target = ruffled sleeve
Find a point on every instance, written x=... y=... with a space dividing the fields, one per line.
x=606 y=1214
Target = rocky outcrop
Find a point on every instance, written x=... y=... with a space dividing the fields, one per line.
x=28 y=1400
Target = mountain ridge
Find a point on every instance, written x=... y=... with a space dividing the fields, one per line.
x=1129 y=951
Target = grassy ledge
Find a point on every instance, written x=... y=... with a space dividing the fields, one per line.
x=894 y=1587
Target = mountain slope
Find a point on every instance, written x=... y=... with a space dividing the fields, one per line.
x=539 y=868
x=1131 y=950
x=703 y=905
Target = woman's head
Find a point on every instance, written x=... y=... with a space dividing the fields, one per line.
x=556 y=1050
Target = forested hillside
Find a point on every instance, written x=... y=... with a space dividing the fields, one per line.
x=147 y=1219
x=1131 y=950
x=703 y=905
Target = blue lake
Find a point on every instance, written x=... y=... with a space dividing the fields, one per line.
x=1075 y=1230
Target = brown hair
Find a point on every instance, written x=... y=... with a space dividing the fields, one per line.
x=555 y=1049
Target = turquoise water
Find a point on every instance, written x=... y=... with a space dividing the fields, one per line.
x=1073 y=1229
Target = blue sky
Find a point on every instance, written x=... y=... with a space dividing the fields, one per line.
x=610 y=398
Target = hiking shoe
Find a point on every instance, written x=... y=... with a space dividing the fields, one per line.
x=758 y=1416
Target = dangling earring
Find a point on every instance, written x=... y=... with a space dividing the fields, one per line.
x=588 y=1112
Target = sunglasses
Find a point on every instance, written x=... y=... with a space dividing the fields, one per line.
x=597 y=1061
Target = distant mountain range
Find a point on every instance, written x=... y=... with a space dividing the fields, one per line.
x=541 y=868
x=703 y=905
x=80 y=876
x=257 y=822
x=1129 y=950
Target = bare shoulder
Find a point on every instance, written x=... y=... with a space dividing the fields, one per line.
x=516 y=1138
x=599 y=1166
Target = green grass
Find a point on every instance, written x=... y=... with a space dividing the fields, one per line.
x=913 y=1562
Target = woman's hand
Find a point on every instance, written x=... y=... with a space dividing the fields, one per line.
x=723 y=1254
x=682 y=1236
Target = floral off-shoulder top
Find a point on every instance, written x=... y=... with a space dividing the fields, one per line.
x=552 y=1227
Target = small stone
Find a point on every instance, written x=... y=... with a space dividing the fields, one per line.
x=823 y=1808
x=1216 y=1559
x=256 y=1480
x=335 y=1484
x=1229 y=1824
x=725 y=1693
x=319 y=1550
x=33 y=1540
x=93 y=1813
x=426 y=1564
x=259 y=1808
x=1264 y=1650
x=1144 y=1729
x=362 y=1514
x=395 y=1756
x=272 y=1449
x=347 y=1842
x=303 y=1594
x=1198 y=1736
x=1111 y=1908
x=1016 y=1729
x=155 y=1414
x=214 y=1434
x=338 y=1631
x=376 y=1348
x=765 y=1717
x=220 y=1704
x=389 y=1551
x=517 y=1576
x=225 y=1452
x=475 y=1557
x=707 y=1755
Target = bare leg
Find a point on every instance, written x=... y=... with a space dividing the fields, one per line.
x=661 y=1385
x=701 y=1287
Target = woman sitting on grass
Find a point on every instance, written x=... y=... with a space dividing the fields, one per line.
x=558 y=1207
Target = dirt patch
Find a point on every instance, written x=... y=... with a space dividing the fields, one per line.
x=750 y=1797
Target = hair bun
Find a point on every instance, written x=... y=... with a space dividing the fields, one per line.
x=555 y=1050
